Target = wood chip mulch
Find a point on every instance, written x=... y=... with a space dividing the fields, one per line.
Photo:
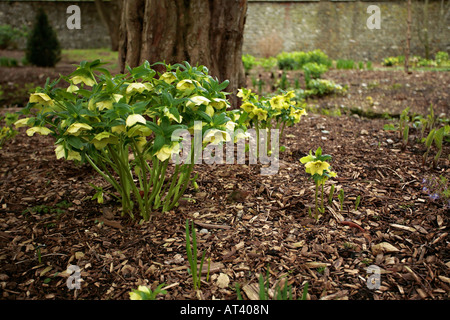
x=248 y=223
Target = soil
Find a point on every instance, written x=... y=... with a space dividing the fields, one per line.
x=246 y=222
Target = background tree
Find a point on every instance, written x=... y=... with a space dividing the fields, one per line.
x=207 y=32
x=109 y=12
x=43 y=48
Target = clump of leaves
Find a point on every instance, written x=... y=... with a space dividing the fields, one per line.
x=320 y=170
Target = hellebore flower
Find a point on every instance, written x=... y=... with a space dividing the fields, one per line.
x=277 y=102
x=77 y=128
x=134 y=295
x=138 y=87
x=102 y=139
x=197 y=101
x=215 y=136
x=166 y=151
x=132 y=119
x=41 y=98
x=71 y=155
x=168 y=77
x=41 y=130
x=83 y=79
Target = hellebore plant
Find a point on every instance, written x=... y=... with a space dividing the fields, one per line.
x=320 y=170
x=125 y=127
x=264 y=113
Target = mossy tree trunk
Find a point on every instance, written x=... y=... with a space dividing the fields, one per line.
x=207 y=32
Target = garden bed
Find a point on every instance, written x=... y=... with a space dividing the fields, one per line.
x=247 y=223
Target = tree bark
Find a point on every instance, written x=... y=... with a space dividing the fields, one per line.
x=110 y=15
x=206 y=32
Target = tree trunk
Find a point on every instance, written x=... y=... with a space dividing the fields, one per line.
x=110 y=15
x=206 y=32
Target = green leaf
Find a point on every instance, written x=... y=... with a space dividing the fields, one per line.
x=75 y=142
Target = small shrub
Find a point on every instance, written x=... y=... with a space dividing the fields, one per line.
x=442 y=58
x=249 y=62
x=8 y=62
x=314 y=70
x=43 y=48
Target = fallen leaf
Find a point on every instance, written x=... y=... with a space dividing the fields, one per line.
x=384 y=247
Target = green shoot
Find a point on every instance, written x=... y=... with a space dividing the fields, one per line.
x=192 y=256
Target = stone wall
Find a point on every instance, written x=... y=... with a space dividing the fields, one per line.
x=336 y=27
x=339 y=28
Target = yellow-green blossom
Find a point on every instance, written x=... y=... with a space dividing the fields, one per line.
x=118 y=129
x=21 y=123
x=187 y=85
x=168 y=77
x=138 y=87
x=219 y=103
x=277 y=102
x=41 y=98
x=71 y=155
x=170 y=115
x=77 y=128
x=72 y=88
x=209 y=110
x=318 y=167
x=215 y=136
x=260 y=113
x=244 y=95
x=102 y=139
x=108 y=104
x=41 y=130
x=135 y=118
x=166 y=151
x=248 y=107
x=297 y=114
x=83 y=79
x=136 y=296
x=197 y=101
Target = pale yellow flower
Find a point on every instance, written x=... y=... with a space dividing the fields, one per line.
x=187 y=85
x=21 y=123
x=71 y=155
x=138 y=87
x=104 y=138
x=135 y=118
x=168 y=77
x=219 y=103
x=197 y=101
x=277 y=102
x=72 y=88
x=166 y=151
x=41 y=98
x=83 y=79
x=77 y=128
x=248 y=107
x=318 y=167
x=41 y=130
x=215 y=136
x=261 y=114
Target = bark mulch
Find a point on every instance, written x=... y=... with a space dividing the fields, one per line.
x=249 y=224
